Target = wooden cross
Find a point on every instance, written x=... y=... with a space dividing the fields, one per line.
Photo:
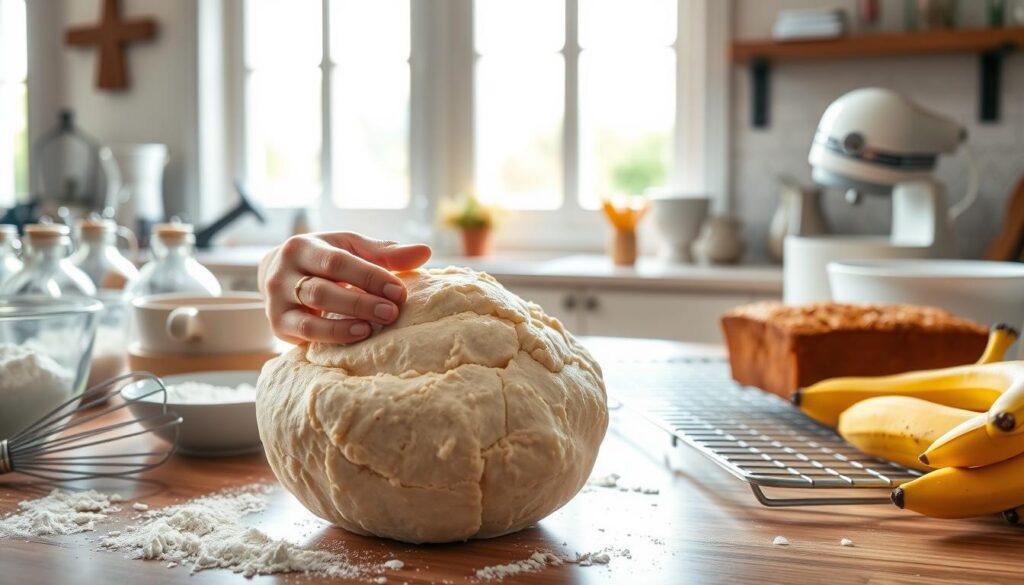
x=111 y=35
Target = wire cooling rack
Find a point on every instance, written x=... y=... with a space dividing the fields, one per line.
x=757 y=436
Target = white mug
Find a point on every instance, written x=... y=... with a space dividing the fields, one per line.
x=185 y=324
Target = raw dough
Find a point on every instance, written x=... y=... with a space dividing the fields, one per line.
x=472 y=416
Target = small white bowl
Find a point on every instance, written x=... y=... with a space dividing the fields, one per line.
x=986 y=292
x=207 y=430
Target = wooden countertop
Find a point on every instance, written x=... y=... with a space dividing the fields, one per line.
x=567 y=270
x=703 y=527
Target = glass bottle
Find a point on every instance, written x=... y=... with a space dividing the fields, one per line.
x=48 y=271
x=9 y=246
x=174 y=267
x=97 y=254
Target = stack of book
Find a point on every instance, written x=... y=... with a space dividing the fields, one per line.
x=793 y=25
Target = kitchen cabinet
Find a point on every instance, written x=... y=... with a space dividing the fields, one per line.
x=680 y=316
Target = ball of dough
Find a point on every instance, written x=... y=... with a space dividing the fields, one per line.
x=472 y=416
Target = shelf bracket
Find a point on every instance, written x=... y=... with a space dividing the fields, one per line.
x=759 y=78
x=990 y=74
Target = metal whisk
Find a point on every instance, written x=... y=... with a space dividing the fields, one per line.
x=67 y=443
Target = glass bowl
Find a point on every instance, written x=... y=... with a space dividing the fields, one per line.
x=45 y=354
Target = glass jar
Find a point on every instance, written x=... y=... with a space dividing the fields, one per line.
x=9 y=247
x=48 y=271
x=174 y=267
x=97 y=254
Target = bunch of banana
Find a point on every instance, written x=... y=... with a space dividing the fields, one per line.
x=968 y=421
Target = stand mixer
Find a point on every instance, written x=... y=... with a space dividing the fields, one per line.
x=877 y=142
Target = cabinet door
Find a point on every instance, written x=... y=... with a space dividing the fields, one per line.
x=560 y=303
x=677 y=316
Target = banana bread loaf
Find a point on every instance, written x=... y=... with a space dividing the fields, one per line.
x=780 y=348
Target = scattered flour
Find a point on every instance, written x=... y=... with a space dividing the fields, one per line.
x=208 y=533
x=780 y=541
x=612 y=481
x=140 y=507
x=31 y=384
x=537 y=561
x=59 y=513
x=200 y=393
x=845 y=542
x=394 y=565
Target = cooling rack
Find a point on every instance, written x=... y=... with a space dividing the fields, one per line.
x=754 y=435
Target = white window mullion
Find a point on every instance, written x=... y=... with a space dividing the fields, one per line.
x=326 y=86
x=570 y=131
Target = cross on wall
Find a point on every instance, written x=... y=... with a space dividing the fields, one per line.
x=110 y=36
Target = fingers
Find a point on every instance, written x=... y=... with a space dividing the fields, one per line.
x=386 y=253
x=322 y=259
x=301 y=325
x=325 y=295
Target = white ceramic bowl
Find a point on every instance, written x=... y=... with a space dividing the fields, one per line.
x=678 y=219
x=207 y=430
x=986 y=292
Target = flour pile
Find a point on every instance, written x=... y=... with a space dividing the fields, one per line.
x=59 y=513
x=208 y=533
x=535 y=562
x=200 y=393
x=31 y=384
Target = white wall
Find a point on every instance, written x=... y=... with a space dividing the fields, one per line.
x=160 y=105
x=800 y=92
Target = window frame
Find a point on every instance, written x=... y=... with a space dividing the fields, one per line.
x=441 y=145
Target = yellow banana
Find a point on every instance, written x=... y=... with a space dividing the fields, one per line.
x=970 y=445
x=973 y=387
x=898 y=428
x=968 y=387
x=955 y=492
x=1000 y=338
x=1006 y=416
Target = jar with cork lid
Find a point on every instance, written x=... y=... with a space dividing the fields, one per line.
x=48 y=270
x=174 y=268
x=99 y=257
x=10 y=245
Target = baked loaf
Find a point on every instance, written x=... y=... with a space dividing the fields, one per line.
x=473 y=415
x=780 y=348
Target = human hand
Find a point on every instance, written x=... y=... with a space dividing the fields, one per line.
x=335 y=272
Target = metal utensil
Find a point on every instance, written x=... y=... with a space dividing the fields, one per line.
x=68 y=442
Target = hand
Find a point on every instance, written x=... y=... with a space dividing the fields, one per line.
x=335 y=272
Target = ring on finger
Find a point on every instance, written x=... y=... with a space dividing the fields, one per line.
x=298 y=286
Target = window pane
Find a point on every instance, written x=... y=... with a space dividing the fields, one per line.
x=630 y=23
x=370 y=117
x=519 y=109
x=370 y=27
x=518 y=25
x=283 y=135
x=13 y=144
x=12 y=40
x=283 y=33
x=627 y=117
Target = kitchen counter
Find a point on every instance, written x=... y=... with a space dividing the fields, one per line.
x=564 y=270
x=703 y=526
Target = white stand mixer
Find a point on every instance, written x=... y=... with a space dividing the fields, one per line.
x=879 y=142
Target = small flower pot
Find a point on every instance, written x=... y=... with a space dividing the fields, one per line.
x=476 y=241
x=623 y=247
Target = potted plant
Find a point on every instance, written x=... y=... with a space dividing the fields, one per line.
x=474 y=220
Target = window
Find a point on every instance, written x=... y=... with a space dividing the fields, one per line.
x=376 y=109
x=13 y=104
x=350 y=78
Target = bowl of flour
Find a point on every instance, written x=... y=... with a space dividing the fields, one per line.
x=218 y=410
x=38 y=374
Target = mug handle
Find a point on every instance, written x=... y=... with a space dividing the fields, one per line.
x=183 y=324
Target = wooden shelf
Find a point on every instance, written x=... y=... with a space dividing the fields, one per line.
x=882 y=45
x=990 y=44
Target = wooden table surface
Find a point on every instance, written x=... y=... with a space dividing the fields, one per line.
x=703 y=527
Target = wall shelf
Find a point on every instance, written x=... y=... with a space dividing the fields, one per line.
x=991 y=45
